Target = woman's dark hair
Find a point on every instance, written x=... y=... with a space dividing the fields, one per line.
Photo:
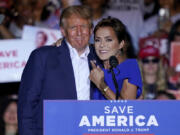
x=3 y=107
x=118 y=27
x=120 y=31
x=173 y=32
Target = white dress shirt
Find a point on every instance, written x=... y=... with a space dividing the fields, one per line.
x=81 y=72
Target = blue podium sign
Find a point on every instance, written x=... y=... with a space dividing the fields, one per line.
x=69 y=117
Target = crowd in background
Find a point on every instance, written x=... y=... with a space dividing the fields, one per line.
x=146 y=20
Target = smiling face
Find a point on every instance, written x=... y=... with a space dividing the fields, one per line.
x=10 y=115
x=41 y=39
x=106 y=43
x=77 y=31
x=150 y=65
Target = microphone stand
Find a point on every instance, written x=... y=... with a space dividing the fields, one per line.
x=115 y=83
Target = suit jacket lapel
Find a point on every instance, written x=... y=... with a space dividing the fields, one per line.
x=91 y=56
x=67 y=68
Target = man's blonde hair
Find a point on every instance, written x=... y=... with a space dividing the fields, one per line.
x=81 y=11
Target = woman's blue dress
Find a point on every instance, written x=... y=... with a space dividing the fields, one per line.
x=128 y=69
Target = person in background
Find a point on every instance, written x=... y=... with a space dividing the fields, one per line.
x=99 y=11
x=41 y=13
x=149 y=8
x=110 y=37
x=174 y=36
x=153 y=73
x=22 y=16
x=57 y=72
x=8 y=117
x=6 y=16
x=129 y=12
x=41 y=39
x=32 y=12
x=160 y=24
x=98 y=8
x=4 y=32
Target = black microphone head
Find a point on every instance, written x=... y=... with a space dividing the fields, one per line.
x=113 y=61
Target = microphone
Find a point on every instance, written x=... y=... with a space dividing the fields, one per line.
x=113 y=63
x=1 y=18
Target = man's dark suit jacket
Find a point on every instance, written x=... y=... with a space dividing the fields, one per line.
x=48 y=75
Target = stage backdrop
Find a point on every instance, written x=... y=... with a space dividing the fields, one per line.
x=111 y=117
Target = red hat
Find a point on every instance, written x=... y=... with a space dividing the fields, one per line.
x=148 y=50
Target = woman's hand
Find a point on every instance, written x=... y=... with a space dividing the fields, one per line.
x=97 y=75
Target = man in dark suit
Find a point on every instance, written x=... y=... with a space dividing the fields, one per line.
x=57 y=72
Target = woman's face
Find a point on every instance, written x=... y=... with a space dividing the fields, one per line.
x=106 y=43
x=10 y=115
x=40 y=39
x=150 y=65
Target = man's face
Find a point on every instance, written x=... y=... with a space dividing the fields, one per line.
x=77 y=32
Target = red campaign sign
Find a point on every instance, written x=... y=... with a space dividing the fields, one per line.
x=9 y=53
x=12 y=65
x=175 y=55
x=175 y=60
